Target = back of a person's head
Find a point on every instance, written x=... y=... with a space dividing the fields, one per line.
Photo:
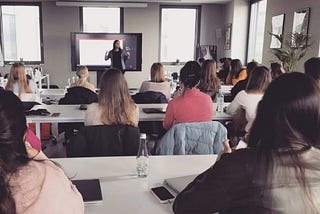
x=82 y=72
x=288 y=116
x=13 y=153
x=114 y=98
x=190 y=74
x=201 y=60
x=18 y=74
x=209 y=79
x=276 y=69
x=157 y=72
x=236 y=67
x=251 y=66
x=259 y=79
x=312 y=68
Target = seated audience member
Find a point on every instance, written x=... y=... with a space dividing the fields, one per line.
x=236 y=73
x=115 y=105
x=29 y=182
x=83 y=74
x=209 y=83
x=248 y=99
x=279 y=171
x=18 y=81
x=192 y=105
x=158 y=82
x=312 y=68
x=201 y=61
x=276 y=70
x=241 y=85
x=225 y=69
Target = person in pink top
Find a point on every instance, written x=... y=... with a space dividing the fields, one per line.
x=192 y=105
x=29 y=182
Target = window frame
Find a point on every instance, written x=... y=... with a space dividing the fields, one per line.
x=39 y=4
x=197 y=33
x=248 y=32
x=121 y=21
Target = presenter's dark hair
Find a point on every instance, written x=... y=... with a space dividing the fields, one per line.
x=13 y=154
x=114 y=44
x=190 y=74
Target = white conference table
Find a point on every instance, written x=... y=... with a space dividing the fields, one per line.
x=122 y=190
x=72 y=114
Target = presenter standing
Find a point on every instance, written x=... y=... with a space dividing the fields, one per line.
x=118 y=56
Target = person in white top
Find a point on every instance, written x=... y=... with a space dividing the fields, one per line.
x=158 y=82
x=249 y=99
x=115 y=105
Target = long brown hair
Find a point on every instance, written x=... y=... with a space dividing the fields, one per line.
x=114 y=99
x=209 y=80
x=13 y=154
x=18 y=74
x=259 y=79
x=157 y=72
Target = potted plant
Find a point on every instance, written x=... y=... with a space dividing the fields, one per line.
x=294 y=48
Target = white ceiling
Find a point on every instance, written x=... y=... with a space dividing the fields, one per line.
x=150 y=1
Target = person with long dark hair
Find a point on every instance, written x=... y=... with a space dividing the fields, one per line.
x=236 y=73
x=29 y=182
x=118 y=56
x=279 y=171
x=241 y=85
x=224 y=71
x=276 y=70
x=312 y=68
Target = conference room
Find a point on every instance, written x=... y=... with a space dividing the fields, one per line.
x=159 y=106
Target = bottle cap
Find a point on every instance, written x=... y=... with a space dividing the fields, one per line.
x=143 y=136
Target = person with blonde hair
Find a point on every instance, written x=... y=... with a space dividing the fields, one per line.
x=83 y=74
x=18 y=82
x=157 y=82
x=115 y=105
x=209 y=82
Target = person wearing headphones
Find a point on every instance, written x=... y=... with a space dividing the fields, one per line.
x=191 y=105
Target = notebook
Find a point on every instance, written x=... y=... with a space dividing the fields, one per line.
x=90 y=190
x=179 y=183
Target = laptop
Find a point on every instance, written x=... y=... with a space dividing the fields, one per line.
x=179 y=183
x=90 y=190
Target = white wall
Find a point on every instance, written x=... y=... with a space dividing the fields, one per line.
x=237 y=13
x=212 y=19
x=58 y=22
x=276 y=7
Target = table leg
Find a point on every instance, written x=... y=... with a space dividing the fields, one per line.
x=38 y=130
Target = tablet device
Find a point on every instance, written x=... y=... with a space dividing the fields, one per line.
x=154 y=110
x=90 y=190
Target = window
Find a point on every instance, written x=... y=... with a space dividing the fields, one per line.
x=21 y=33
x=179 y=33
x=256 y=30
x=101 y=20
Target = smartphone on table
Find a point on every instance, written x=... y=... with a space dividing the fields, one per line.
x=162 y=194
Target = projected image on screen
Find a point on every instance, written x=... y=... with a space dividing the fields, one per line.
x=91 y=49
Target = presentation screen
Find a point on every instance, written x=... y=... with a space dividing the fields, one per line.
x=91 y=49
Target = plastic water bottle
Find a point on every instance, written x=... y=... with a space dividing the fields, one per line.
x=143 y=157
x=220 y=101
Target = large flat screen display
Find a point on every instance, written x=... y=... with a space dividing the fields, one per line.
x=91 y=49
